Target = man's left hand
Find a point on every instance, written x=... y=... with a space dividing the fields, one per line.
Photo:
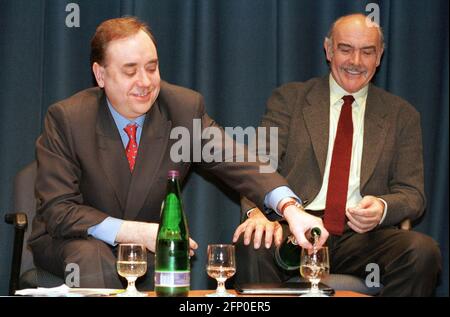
x=366 y=215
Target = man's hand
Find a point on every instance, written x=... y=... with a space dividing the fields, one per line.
x=192 y=246
x=138 y=232
x=366 y=215
x=300 y=223
x=144 y=233
x=259 y=224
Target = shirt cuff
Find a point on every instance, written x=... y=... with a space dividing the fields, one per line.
x=385 y=210
x=106 y=230
x=276 y=195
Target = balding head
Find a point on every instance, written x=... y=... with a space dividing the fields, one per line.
x=356 y=18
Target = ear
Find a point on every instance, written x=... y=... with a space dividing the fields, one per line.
x=99 y=73
x=327 y=45
x=379 y=57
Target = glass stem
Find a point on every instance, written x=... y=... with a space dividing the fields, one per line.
x=315 y=286
x=131 y=284
x=221 y=286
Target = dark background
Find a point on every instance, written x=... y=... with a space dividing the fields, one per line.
x=235 y=52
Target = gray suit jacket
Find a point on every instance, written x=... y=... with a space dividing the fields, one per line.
x=392 y=163
x=83 y=173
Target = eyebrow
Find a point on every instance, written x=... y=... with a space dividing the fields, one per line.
x=130 y=65
x=344 y=45
x=372 y=47
x=341 y=45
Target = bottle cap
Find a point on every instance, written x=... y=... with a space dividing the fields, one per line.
x=316 y=231
x=173 y=174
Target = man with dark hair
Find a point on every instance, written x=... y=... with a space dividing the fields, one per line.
x=353 y=152
x=104 y=154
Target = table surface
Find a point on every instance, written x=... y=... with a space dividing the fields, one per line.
x=202 y=293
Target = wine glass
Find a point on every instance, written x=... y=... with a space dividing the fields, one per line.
x=314 y=264
x=221 y=265
x=131 y=264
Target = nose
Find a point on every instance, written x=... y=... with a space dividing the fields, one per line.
x=144 y=79
x=356 y=57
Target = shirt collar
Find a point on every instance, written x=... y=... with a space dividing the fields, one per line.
x=121 y=121
x=337 y=92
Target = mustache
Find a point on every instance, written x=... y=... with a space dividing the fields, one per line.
x=143 y=91
x=354 y=68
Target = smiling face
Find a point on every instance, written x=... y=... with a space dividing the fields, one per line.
x=130 y=74
x=354 y=52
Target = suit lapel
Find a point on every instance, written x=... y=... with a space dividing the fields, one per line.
x=111 y=153
x=375 y=131
x=317 y=120
x=152 y=149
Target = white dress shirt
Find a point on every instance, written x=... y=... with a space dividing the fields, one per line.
x=358 y=110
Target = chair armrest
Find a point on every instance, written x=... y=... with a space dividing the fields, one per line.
x=20 y=222
x=18 y=219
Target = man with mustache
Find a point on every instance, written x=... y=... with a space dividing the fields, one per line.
x=381 y=182
x=103 y=159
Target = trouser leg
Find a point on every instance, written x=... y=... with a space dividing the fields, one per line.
x=409 y=262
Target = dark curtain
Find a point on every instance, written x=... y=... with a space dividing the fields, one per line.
x=235 y=52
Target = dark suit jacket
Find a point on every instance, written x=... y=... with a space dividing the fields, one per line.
x=83 y=174
x=392 y=164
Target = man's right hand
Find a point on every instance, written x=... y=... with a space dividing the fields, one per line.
x=300 y=223
x=138 y=232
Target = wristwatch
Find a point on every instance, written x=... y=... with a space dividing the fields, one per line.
x=292 y=202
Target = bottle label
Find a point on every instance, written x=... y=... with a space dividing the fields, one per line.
x=172 y=279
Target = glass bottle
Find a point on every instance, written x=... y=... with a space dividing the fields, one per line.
x=287 y=254
x=172 y=268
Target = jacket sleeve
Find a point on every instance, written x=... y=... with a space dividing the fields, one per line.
x=406 y=197
x=60 y=203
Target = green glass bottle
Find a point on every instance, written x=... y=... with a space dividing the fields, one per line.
x=287 y=254
x=172 y=269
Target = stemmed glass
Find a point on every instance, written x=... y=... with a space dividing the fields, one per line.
x=221 y=265
x=314 y=264
x=131 y=264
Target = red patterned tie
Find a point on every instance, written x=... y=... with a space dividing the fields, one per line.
x=340 y=170
x=132 y=147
